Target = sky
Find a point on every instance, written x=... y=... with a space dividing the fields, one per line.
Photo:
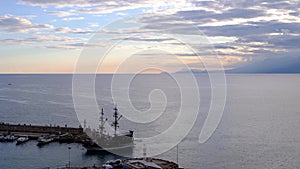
x=126 y=36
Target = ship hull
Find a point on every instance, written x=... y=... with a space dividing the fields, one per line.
x=98 y=149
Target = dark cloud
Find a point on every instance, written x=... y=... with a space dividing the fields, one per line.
x=205 y=16
x=291 y=5
x=286 y=41
x=148 y=39
x=224 y=47
x=251 y=28
x=243 y=3
x=294 y=13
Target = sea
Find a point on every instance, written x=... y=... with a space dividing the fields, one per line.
x=259 y=128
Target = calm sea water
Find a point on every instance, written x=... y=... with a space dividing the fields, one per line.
x=259 y=128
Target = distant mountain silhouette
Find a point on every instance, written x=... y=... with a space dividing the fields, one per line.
x=192 y=70
x=274 y=65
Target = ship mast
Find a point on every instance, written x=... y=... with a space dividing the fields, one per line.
x=84 y=124
x=102 y=122
x=115 y=124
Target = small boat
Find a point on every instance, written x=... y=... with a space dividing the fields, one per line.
x=66 y=138
x=1 y=138
x=43 y=140
x=10 y=138
x=22 y=140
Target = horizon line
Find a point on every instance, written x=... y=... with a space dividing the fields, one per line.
x=51 y=73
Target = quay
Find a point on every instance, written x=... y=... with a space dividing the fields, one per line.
x=33 y=132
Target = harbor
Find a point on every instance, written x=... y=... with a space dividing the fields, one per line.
x=95 y=141
x=88 y=137
x=22 y=133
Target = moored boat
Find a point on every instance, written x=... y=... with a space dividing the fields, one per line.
x=43 y=140
x=22 y=140
x=9 y=138
x=1 y=138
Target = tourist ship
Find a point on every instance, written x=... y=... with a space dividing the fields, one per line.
x=102 y=141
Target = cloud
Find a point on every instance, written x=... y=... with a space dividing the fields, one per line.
x=73 y=46
x=102 y=6
x=9 y=23
x=57 y=3
x=73 y=19
x=70 y=46
x=291 y=4
x=60 y=13
x=285 y=41
x=73 y=30
x=148 y=39
x=16 y=24
x=258 y=21
x=227 y=62
x=206 y=16
x=103 y=3
x=94 y=24
x=40 y=39
x=121 y=14
x=258 y=28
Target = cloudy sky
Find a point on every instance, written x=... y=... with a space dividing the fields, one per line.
x=51 y=36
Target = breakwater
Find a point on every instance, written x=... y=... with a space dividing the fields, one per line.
x=55 y=133
x=10 y=128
